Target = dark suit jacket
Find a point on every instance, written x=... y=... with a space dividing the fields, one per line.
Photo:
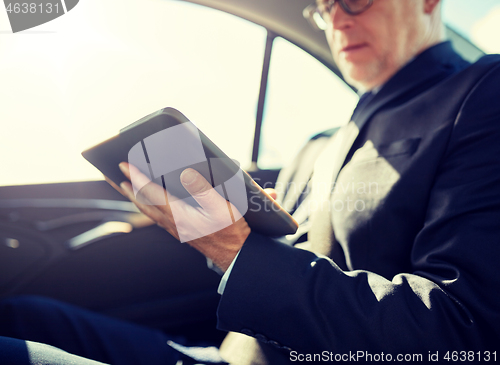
x=416 y=264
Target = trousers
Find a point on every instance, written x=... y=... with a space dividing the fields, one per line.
x=41 y=331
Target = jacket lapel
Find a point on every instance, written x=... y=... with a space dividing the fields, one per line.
x=426 y=70
x=326 y=169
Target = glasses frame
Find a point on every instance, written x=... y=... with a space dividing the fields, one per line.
x=316 y=16
x=345 y=7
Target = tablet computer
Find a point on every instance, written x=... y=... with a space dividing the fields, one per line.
x=161 y=145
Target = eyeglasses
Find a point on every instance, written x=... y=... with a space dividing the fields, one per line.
x=319 y=15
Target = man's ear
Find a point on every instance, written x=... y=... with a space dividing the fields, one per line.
x=430 y=5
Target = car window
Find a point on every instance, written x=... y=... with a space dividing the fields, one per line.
x=478 y=21
x=304 y=98
x=79 y=79
x=76 y=80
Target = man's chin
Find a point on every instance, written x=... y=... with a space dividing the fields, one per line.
x=355 y=80
x=359 y=76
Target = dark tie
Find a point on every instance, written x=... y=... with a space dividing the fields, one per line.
x=362 y=102
x=326 y=170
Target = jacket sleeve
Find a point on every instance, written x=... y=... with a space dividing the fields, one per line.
x=449 y=301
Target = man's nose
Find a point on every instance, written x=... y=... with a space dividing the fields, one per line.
x=339 y=18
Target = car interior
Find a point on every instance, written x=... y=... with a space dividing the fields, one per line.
x=83 y=243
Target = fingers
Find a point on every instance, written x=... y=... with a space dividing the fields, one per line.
x=116 y=187
x=157 y=214
x=271 y=192
x=124 y=167
x=202 y=191
x=146 y=198
x=138 y=179
x=145 y=191
x=152 y=200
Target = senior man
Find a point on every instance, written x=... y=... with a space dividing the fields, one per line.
x=412 y=270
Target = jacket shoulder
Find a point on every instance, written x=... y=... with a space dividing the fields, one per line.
x=486 y=71
x=480 y=78
x=485 y=64
x=480 y=109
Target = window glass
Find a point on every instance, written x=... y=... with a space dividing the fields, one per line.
x=479 y=21
x=303 y=98
x=79 y=79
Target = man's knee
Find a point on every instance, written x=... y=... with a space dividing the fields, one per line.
x=18 y=312
x=20 y=352
x=25 y=304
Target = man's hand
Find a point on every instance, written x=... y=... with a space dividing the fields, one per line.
x=271 y=192
x=191 y=223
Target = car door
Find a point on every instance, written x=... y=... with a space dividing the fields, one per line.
x=64 y=232
x=257 y=92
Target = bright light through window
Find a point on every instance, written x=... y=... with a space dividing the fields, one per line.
x=304 y=98
x=477 y=20
x=79 y=79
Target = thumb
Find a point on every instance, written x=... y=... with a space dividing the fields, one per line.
x=202 y=191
